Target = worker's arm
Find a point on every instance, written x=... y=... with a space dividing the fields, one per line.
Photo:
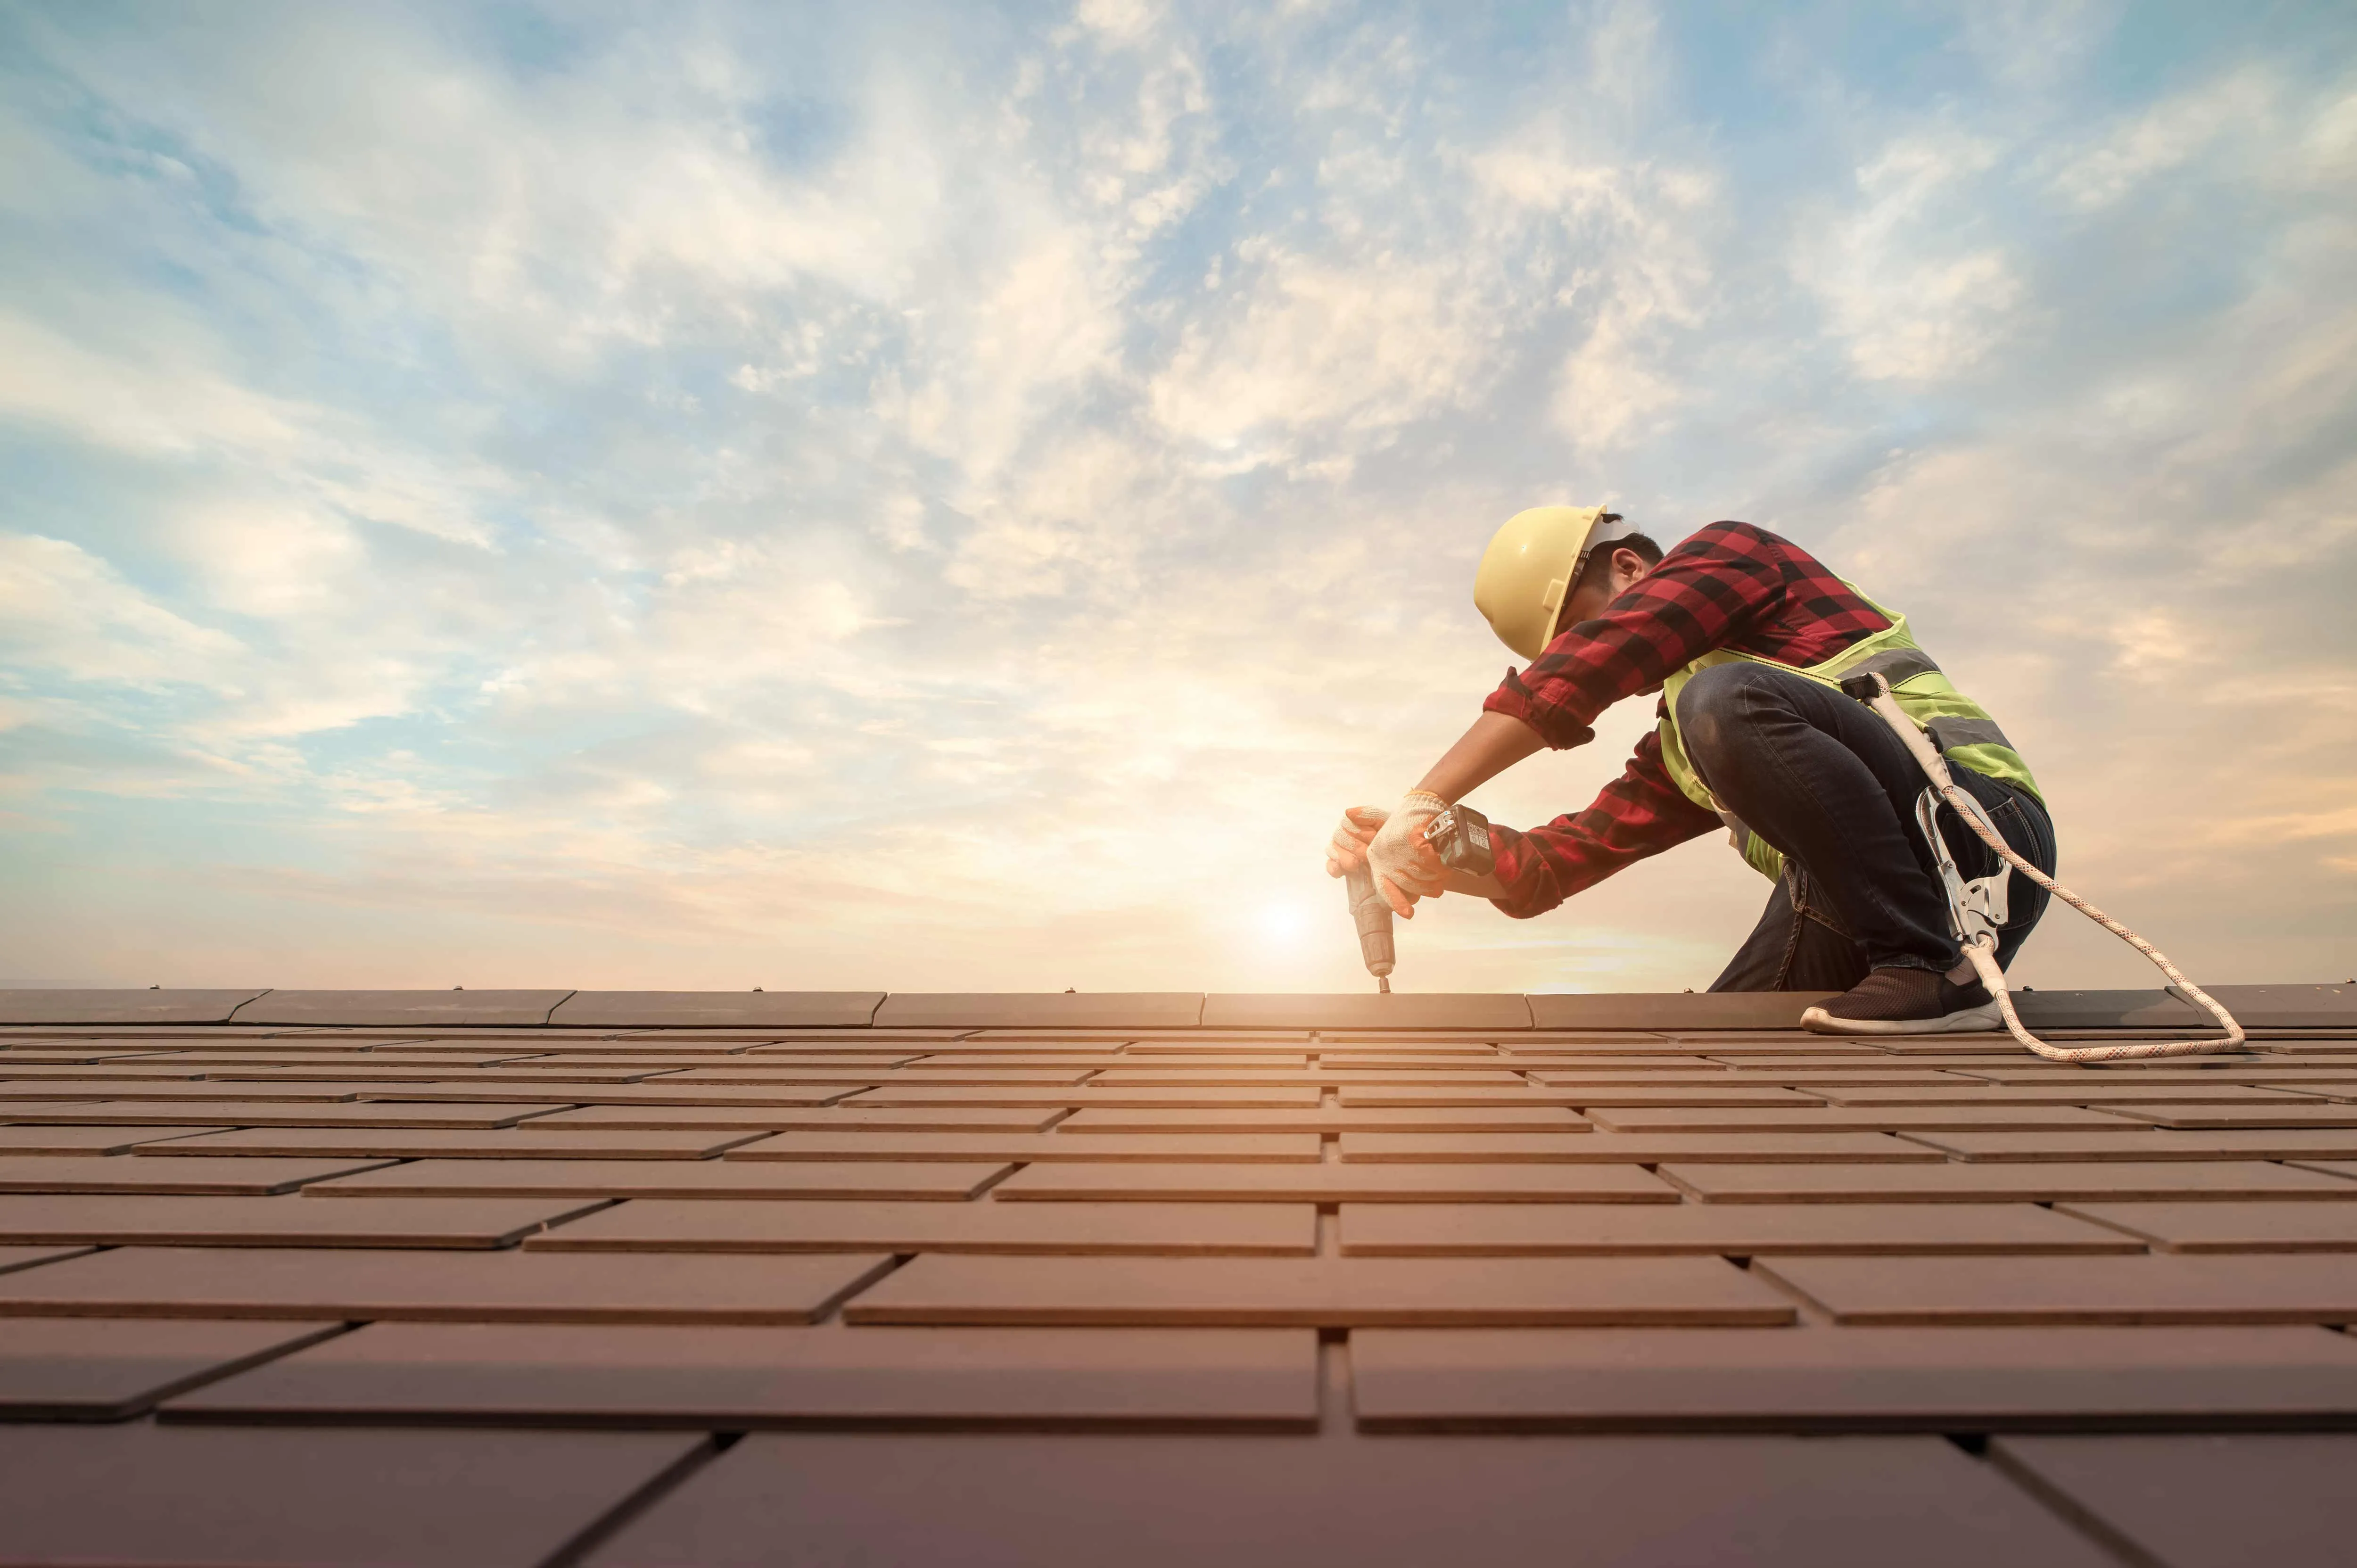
x=1641 y=813
x=1495 y=743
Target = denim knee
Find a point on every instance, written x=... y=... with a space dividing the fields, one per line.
x=1711 y=707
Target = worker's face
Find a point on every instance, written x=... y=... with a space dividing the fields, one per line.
x=1588 y=600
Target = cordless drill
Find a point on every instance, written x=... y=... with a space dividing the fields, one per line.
x=1460 y=835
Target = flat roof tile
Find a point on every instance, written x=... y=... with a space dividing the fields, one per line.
x=1335 y=1183
x=96 y=1369
x=174 y=1495
x=741 y=1379
x=67 y=1141
x=2218 y=1181
x=1880 y=1119
x=1211 y=1097
x=787 y=1119
x=444 y=1143
x=1400 y=1118
x=2156 y=1288
x=144 y=1219
x=222 y=1176
x=2254 y=1144
x=709 y=1225
x=436 y=1286
x=941 y=1288
x=2292 y=1113
x=1424 y=1148
x=1849 y=1380
x=870 y=1179
x=1156 y=1502
x=129 y=1113
x=1250 y=1148
x=2212 y=1500
x=1563 y=1230
x=2229 y=1227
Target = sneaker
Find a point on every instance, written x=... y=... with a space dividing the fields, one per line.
x=1906 y=1001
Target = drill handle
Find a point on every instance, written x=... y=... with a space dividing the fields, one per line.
x=1373 y=917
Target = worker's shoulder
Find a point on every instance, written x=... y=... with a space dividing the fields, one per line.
x=1727 y=538
x=1731 y=529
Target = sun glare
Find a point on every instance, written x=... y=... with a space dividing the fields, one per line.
x=1283 y=923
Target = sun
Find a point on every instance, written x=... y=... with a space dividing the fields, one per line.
x=1282 y=924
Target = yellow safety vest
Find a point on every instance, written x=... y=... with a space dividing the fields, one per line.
x=1959 y=726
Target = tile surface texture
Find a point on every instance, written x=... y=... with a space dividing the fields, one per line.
x=2151 y=1289
x=2228 y=1227
x=2209 y=1501
x=2220 y=1181
x=873 y=1179
x=262 y=1500
x=739 y=1377
x=1335 y=1183
x=1241 y=1148
x=12 y=1258
x=709 y=1225
x=301 y=1109
x=1564 y=1229
x=454 y=1287
x=72 y=1141
x=444 y=1143
x=118 y=1221
x=100 y=1369
x=221 y=1176
x=1321 y=1292
x=1481 y=1148
x=1155 y=1501
x=406 y=1009
x=709 y=1009
x=1853 y=1380
x=139 y=1007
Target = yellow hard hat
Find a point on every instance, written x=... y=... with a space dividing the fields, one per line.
x=1530 y=566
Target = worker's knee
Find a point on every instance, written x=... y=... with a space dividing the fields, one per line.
x=1714 y=705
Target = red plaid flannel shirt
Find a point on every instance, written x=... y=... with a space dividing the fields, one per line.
x=1731 y=586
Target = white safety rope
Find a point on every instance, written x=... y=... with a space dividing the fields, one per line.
x=1979 y=935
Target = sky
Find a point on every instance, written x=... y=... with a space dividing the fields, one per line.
x=926 y=496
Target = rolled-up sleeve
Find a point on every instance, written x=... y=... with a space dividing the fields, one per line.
x=1515 y=699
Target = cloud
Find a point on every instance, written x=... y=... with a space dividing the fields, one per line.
x=64 y=611
x=1906 y=282
x=132 y=408
x=2166 y=136
x=1368 y=349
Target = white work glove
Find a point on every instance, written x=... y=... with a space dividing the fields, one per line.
x=1351 y=839
x=1406 y=868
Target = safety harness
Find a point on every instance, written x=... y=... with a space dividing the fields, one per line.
x=1978 y=909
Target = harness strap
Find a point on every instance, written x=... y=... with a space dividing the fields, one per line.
x=1971 y=905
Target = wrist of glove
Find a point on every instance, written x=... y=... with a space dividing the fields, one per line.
x=1406 y=867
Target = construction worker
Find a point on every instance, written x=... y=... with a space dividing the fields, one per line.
x=1747 y=636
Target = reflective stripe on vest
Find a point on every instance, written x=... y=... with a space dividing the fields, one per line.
x=1960 y=727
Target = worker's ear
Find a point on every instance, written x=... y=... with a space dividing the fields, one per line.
x=1627 y=567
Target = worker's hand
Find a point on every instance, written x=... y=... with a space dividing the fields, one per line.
x=1351 y=839
x=1406 y=868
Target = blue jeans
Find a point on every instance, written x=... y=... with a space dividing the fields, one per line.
x=1821 y=777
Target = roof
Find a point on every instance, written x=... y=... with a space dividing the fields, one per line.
x=647 y=1278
